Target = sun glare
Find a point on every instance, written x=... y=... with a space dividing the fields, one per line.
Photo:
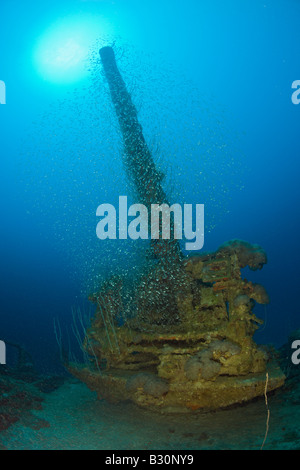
x=62 y=52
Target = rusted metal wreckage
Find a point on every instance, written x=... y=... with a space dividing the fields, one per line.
x=186 y=340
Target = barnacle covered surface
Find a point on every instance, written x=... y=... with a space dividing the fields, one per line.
x=185 y=342
x=188 y=322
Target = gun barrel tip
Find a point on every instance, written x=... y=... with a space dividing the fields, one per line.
x=106 y=51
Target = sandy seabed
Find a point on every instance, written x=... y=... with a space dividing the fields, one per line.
x=78 y=420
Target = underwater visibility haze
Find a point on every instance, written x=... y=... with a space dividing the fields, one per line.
x=111 y=337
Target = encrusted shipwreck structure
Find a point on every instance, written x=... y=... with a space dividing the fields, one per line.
x=182 y=341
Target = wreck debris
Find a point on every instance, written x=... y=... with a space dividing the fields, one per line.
x=207 y=360
x=138 y=160
x=186 y=341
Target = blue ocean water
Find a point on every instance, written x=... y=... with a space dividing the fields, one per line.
x=213 y=83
